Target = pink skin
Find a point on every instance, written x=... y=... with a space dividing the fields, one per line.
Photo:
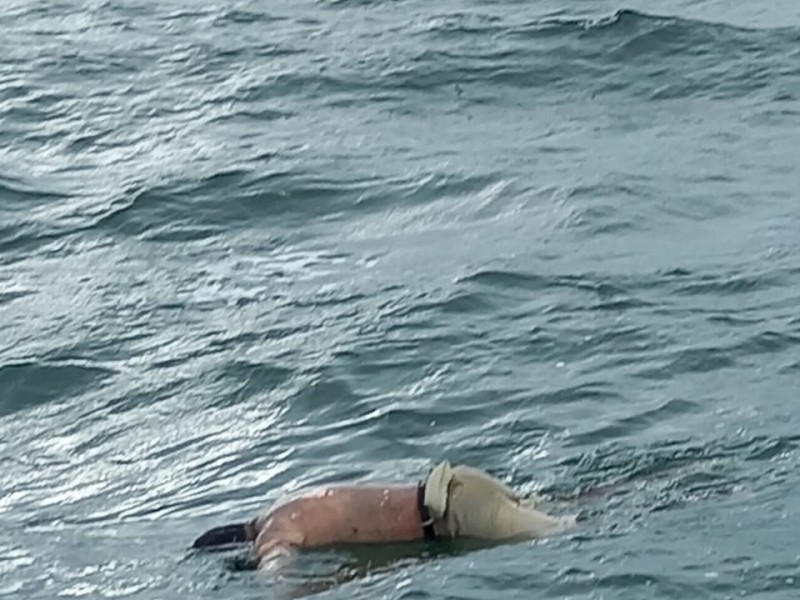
x=338 y=515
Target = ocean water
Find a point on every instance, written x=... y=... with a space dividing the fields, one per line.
x=250 y=246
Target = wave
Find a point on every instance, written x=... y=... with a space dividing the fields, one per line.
x=657 y=57
x=684 y=465
x=28 y=385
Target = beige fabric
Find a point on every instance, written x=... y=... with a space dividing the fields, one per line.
x=468 y=502
x=436 y=489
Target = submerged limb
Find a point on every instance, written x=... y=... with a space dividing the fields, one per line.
x=242 y=563
x=275 y=556
x=531 y=501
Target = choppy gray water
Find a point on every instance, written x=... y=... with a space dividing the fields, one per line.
x=250 y=246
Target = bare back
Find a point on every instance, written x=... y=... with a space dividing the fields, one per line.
x=342 y=515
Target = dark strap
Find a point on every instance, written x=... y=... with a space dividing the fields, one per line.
x=424 y=515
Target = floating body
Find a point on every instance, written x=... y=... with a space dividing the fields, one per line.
x=454 y=501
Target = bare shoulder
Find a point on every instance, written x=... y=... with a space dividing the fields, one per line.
x=353 y=490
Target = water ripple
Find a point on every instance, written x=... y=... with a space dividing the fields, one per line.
x=246 y=248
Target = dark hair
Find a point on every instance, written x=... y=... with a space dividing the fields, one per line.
x=219 y=536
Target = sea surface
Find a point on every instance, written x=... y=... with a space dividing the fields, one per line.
x=251 y=246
